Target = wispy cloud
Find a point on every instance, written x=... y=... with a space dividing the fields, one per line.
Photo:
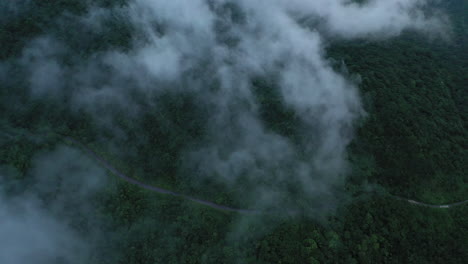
x=213 y=49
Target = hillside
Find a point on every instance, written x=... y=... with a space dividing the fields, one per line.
x=220 y=112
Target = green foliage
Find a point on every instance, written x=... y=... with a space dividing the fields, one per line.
x=412 y=143
x=414 y=135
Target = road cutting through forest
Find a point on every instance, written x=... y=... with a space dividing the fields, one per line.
x=213 y=205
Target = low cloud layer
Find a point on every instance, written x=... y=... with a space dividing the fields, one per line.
x=49 y=218
x=214 y=50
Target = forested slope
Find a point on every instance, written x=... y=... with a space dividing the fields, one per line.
x=415 y=132
x=412 y=142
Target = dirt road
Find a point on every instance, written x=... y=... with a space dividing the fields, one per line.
x=116 y=172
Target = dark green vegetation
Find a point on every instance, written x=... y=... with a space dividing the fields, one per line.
x=413 y=143
x=420 y=149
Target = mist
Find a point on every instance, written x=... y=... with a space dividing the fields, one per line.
x=51 y=217
x=236 y=100
x=225 y=55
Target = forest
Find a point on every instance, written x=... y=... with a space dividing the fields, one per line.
x=411 y=141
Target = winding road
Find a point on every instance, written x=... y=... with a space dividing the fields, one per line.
x=128 y=179
x=442 y=206
x=118 y=173
x=213 y=205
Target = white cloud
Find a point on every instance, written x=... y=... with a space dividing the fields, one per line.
x=193 y=45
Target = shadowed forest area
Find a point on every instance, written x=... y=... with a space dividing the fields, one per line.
x=411 y=142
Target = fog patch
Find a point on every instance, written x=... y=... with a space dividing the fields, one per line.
x=214 y=50
x=50 y=216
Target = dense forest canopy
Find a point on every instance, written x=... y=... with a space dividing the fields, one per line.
x=336 y=111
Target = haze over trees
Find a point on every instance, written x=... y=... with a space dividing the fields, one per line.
x=326 y=110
